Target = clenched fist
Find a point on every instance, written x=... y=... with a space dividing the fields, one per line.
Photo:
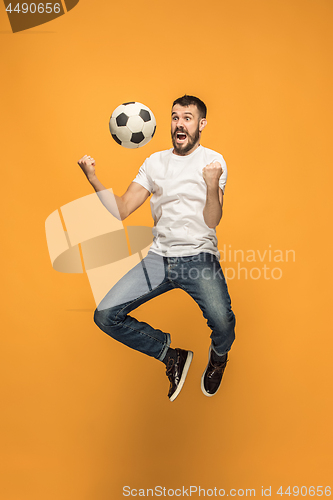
x=87 y=164
x=212 y=172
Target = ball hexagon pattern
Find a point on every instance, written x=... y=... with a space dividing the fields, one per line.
x=132 y=125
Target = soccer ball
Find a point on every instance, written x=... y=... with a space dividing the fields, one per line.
x=132 y=125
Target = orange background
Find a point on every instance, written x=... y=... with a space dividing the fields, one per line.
x=82 y=416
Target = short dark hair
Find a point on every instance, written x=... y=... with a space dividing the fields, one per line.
x=187 y=100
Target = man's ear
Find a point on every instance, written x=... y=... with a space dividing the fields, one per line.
x=203 y=123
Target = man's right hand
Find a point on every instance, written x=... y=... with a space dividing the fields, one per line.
x=87 y=164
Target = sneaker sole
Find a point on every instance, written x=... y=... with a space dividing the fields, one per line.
x=203 y=376
x=183 y=377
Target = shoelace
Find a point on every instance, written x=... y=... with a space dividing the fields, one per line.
x=218 y=366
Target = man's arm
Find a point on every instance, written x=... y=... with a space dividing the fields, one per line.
x=119 y=206
x=213 y=208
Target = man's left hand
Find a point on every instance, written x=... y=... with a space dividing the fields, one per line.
x=212 y=172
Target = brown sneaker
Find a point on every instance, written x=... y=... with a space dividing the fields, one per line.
x=177 y=371
x=212 y=376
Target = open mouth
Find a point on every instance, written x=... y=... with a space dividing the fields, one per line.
x=181 y=137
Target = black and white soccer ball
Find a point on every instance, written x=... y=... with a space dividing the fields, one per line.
x=132 y=125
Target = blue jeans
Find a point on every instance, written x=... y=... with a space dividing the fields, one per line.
x=199 y=275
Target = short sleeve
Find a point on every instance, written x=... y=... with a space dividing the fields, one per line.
x=143 y=178
x=224 y=176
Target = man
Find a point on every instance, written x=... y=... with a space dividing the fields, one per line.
x=187 y=184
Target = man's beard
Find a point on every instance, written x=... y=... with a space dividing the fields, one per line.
x=191 y=141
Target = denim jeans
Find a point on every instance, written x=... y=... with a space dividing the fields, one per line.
x=199 y=275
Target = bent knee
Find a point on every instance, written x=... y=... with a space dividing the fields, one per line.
x=224 y=314
x=230 y=318
x=224 y=320
x=98 y=317
x=104 y=317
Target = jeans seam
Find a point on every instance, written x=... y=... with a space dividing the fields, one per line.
x=138 y=331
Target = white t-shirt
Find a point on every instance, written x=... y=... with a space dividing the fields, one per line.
x=179 y=196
